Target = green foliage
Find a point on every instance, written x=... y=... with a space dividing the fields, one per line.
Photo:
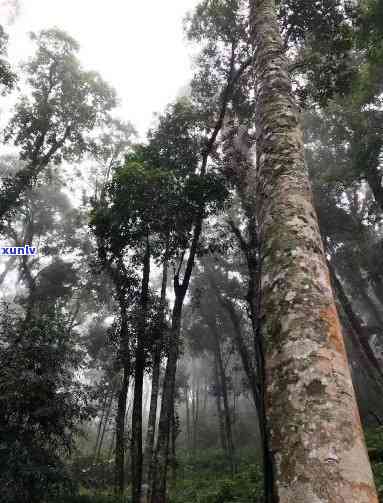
x=66 y=101
x=220 y=27
x=205 y=479
x=159 y=191
x=374 y=441
x=7 y=76
x=321 y=35
x=94 y=498
x=41 y=406
x=91 y=475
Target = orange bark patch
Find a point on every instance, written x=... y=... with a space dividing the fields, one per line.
x=330 y=316
x=366 y=492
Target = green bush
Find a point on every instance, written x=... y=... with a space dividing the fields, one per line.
x=87 y=498
x=206 y=479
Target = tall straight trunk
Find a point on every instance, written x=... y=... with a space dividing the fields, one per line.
x=123 y=392
x=377 y=286
x=158 y=492
x=240 y=145
x=314 y=429
x=147 y=469
x=139 y=381
x=205 y=398
x=106 y=420
x=355 y=323
x=195 y=416
x=374 y=179
x=226 y=407
x=111 y=445
x=173 y=438
x=11 y=262
x=188 y=429
x=120 y=432
x=103 y=414
x=243 y=352
x=218 y=394
x=373 y=306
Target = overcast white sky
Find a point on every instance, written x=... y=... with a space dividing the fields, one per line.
x=138 y=46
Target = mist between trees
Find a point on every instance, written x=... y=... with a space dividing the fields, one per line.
x=204 y=319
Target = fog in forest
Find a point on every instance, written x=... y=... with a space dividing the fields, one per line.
x=191 y=251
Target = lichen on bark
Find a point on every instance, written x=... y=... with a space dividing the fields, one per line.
x=315 y=435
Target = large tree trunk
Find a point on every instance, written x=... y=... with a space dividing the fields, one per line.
x=139 y=381
x=150 y=435
x=315 y=435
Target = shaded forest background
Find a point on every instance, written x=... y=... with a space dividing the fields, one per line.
x=129 y=357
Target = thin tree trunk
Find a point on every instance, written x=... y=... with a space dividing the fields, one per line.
x=162 y=448
x=356 y=325
x=149 y=443
x=106 y=420
x=11 y=262
x=375 y=181
x=371 y=305
x=188 y=431
x=120 y=433
x=111 y=445
x=226 y=407
x=314 y=427
x=218 y=393
x=247 y=364
x=103 y=413
x=195 y=416
x=173 y=438
x=122 y=395
x=138 y=382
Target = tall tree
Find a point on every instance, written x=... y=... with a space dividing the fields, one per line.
x=309 y=398
x=51 y=124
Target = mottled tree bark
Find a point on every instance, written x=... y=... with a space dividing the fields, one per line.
x=315 y=435
x=139 y=381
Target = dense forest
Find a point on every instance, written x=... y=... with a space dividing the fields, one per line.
x=196 y=316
